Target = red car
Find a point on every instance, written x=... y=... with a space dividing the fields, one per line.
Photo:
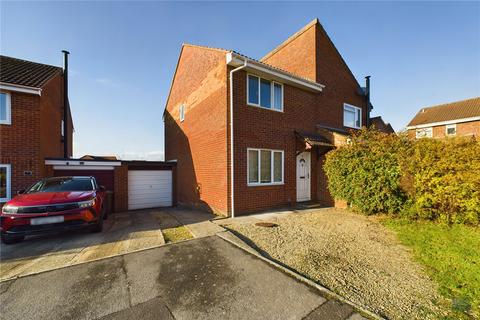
x=53 y=205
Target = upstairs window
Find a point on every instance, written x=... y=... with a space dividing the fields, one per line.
x=264 y=93
x=424 y=133
x=352 y=116
x=5 y=108
x=451 y=130
x=182 y=113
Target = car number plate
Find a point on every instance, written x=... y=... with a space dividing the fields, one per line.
x=46 y=220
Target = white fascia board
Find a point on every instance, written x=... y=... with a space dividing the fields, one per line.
x=237 y=60
x=20 y=88
x=80 y=168
x=442 y=123
x=80 y=163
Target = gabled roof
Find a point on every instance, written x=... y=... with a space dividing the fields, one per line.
x=458 y=110
x=26 y=73
x=381 y=125
x=268 y=66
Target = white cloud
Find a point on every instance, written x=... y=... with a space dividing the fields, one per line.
x=106 y=82
x=157 y=155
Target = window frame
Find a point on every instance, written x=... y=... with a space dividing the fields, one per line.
x=272 y=93
x=9 y=182
x=345 y=106
x=429 y=129
x=449 y=126
x=272 y=168
x=182 y=113
x=8 y=111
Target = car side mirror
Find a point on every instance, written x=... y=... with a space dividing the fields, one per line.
x=21 y=191
x=102 y=188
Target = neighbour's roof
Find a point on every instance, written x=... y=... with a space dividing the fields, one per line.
x=90 y=157
x=445 y=112
x=25 y=73
x=381 y=125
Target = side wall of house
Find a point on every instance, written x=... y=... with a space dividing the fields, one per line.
x=20 y=141
x=199 y=143
x=51 y=116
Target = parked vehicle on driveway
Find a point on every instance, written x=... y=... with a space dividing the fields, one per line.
x=53 y=205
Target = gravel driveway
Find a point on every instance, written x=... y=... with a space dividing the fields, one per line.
x=351 y=255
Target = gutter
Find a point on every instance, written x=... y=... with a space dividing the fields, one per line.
x=231 y=138
x=442 y=123
x=20 y=88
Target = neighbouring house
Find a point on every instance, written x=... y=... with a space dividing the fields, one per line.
x=250 y=135
x=32 y=122
x=461 y=118
x=382 y=126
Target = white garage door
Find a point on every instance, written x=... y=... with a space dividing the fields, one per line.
x=149 y=189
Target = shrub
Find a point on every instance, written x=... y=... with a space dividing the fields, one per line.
x=366 y=173
x=427 y=178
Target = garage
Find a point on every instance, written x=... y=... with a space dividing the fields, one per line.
x=134 y=184
x=149 y=189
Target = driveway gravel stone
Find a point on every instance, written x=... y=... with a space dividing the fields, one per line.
x=351 y=255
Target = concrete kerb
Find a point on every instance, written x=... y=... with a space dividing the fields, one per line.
x=239 y=243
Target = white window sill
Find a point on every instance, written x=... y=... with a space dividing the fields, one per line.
x=351 y=127
x=6 y=122
x=264 y=108
x=265 y=184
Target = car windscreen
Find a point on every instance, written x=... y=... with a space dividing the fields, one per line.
x=61 y=185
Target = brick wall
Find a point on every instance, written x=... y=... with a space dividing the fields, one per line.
x=120 y=191
x=199 y=143
x=33 y=134
x=471 y=128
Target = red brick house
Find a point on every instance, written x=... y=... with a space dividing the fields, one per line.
x=382 y=126
x=461 y=118
x=31 y=122
x=277 y=116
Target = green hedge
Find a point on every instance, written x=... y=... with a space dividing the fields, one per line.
x=427 y=178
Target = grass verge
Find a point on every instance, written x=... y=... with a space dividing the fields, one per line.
x=451 y=256
x=176 y=234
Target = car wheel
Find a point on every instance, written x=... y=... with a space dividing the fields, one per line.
x=12 y=239
x=99 y=226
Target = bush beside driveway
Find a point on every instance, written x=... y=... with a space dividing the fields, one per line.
x=353 y=256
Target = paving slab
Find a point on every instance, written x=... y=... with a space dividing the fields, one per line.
x=198 y=222
x=123 y=232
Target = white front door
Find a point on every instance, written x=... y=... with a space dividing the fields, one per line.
x=303 y=177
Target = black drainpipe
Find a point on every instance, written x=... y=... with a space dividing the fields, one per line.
x=367 y=98
x=65 y=103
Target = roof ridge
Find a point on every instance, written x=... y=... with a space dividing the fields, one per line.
x=448 y=103
x=29 y=61
x=290 y=39
x=185 y=44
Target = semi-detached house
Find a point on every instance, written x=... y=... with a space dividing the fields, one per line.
x=250 y=134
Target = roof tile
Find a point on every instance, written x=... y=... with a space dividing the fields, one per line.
x=446 y=112
x=25 y=73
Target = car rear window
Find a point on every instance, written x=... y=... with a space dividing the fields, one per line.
x=62 y=184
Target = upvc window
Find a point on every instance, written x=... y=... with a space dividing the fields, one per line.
x=352 y=116
x=5 y=108
x=5 y=180
x=424 y=133
x=264 y=93
x=265 y=166
x=182 y=113
x=451 y=129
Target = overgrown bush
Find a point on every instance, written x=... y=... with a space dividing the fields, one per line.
x=427 y=178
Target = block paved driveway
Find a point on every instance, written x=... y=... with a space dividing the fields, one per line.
x=206 y=278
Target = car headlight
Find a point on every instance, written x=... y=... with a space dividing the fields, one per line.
x=8 y=209
x=86 y=204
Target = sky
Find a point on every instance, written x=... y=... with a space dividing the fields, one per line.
x=123 y=55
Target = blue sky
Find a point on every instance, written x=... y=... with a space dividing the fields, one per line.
x=123 y=54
